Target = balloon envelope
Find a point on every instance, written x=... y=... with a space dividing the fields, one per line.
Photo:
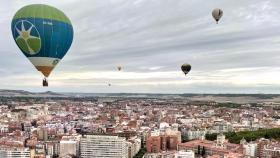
x=217 y=14
x=186 y=68
x=44 y=34
x=119 y=68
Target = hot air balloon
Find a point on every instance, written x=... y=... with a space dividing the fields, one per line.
x=44 y=34
x=217 y=14
x=186 y=68
x=119 y=68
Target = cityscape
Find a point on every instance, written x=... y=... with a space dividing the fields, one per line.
x=49 y=125
x=139 y=79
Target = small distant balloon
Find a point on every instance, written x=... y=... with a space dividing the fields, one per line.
x=217 y=14
x=119 y=68
x=186 y=68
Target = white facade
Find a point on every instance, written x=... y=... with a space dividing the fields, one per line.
x=134 y=145
x=250 y=149
x=174 y=132
x=68 y=147
x=15 y=152
x=163 y=125
x=160 y=155
x=4 y=128
x=221 y=139
x=222 y=126
x=184 y=154
x=99 y=146
x=194 y=134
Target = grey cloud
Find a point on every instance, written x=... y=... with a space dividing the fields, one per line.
x=142 y=34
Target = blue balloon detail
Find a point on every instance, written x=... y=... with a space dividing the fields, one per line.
x=56 y=36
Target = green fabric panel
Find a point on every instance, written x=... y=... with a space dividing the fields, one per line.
x=22 y=44
x=42 y=11
x=34 y=44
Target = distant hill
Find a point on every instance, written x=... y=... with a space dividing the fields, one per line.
x=22 y=93
x=234 y=98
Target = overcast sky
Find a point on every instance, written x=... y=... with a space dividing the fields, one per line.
x=151 y=39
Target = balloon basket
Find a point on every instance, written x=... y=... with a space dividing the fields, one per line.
x=45 y=82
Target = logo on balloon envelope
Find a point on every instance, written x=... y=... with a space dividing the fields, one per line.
x=27 y=37
x=55 y=62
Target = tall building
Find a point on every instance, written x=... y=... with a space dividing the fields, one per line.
x=68 y=147
x=163 y=141
x=15 y=152
x=172 y=142
x=194 y=134
x=134 y=145
x=222 y=126
x=101 y=146
x=260 y=147
x=42 y=133
x=153 y=144
x=250 y=148
x=173 y=132
x=52 y=148
x=221 y=139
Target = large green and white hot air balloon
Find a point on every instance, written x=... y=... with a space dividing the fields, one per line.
x=44 y=34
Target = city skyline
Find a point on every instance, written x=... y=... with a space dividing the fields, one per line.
x=151 y=40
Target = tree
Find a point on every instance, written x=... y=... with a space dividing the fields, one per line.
x=184 y=138
x=198 y=149
x=141 y=153
x=203 y=152
x=248 y=135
